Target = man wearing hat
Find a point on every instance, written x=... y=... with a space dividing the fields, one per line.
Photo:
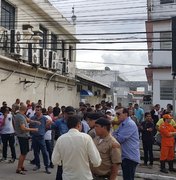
x=110 y=154
x=91 y=118
x=167 y=144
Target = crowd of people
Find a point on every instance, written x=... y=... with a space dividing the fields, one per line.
x=97 y=139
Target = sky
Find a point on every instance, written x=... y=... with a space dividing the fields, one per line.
x=111 y=27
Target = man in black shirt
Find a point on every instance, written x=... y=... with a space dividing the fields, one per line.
x=155 y=115
x=56 y=110
x=147 y=128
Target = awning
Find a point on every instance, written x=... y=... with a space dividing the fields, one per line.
x=86 y=93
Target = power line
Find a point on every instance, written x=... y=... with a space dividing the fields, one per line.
x=122 y=64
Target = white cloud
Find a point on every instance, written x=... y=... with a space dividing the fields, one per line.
x=110 y=11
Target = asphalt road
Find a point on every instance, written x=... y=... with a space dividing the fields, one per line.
x=7 y=170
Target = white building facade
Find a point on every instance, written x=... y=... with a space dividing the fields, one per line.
x=159 y=38
x=37 y=56
x=109 y=77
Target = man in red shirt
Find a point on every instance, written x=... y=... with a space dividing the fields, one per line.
x=167 y=144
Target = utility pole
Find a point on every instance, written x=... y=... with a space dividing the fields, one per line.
x=174 y=61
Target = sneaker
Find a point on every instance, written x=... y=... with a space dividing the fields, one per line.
x=36 y=168
x=20 y=172
x=32 y=161
x=164 y=171
x=11 y=160
x=47 y=171
x=145 y=164
x=51 y=165
x=3 y=160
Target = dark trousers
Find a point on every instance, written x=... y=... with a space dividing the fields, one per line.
x=59 y=173
x=49 y=148
x=128 y=169
x=8 y=139
x=38 y=143
x=148 y=151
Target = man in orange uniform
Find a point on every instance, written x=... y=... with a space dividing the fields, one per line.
x=167 y=144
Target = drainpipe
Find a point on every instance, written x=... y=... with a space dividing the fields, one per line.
x=47 y=86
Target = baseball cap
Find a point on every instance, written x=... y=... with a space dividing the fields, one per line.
x=167 y=116
x=69 y=110
x=95 y=115
x=108 y=111
x=103 y=122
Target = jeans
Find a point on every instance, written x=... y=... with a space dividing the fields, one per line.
x=128 y=169
x=38 y=143
x=8 y=138
x=148 y=151
x=49 y=148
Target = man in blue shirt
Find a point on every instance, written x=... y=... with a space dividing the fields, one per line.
x=139 y=113
x=127 y=135
x=38 y=141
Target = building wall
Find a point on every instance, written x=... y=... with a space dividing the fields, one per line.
x=161 y=58
x=103 y=76
x=93 y=100
x=162 y=10
x=47 y=85
x=29 y=12
x=160 y=17
x=49 y=90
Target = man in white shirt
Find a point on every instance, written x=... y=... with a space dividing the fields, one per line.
x=73 y=150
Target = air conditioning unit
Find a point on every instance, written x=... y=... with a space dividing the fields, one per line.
x=38 y=34
x=25 y=53
x=65 y=66
x=54 y=64
x=27 y=30
x=44 y=58
x=33 y=53
x=4 y=40
x=52 y=57
x=59 y=51
x=59 y=68
x=16 y=42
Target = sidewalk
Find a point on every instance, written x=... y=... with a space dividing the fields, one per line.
x=7 y=170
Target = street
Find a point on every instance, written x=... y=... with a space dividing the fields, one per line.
x=7 y=170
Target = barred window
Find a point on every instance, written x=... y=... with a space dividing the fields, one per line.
x=165 y=40
x=43 y=42
x=166 y=89
x=166 y=1
x=7 y=15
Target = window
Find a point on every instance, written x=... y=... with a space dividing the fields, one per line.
x=166 y=89
x=7 y=15
x=166 y=1
x=43 y=42
x=53 y=42
x=165 y=40
x=89 y=88
x=79 y=88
